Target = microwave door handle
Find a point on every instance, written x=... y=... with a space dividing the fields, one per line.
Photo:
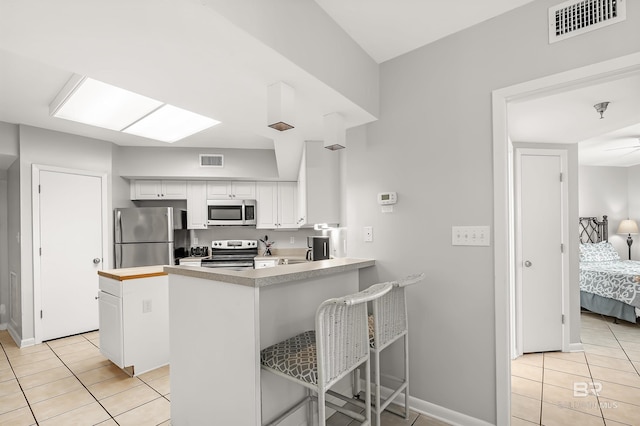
x=324 y=248
x=243 y=214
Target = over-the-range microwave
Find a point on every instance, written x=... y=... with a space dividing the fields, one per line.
x=231 y=212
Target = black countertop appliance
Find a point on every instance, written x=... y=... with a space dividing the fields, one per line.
x=318 y=248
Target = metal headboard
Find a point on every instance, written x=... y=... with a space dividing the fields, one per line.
x=594 y=231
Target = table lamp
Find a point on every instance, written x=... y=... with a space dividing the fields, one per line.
x=628 y=226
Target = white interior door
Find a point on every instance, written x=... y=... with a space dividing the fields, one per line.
x=71 y=252
x=540 y=256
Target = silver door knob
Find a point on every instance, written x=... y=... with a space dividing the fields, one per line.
x=527 y=263
x=96 y=260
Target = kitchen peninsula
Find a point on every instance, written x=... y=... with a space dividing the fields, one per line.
x=219 y=320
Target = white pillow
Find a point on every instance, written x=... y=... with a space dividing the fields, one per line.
x=598 y=252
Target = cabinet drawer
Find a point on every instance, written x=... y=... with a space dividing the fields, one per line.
x=110 y=286
x=259 y=264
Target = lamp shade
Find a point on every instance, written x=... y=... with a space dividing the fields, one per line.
x=628 y=226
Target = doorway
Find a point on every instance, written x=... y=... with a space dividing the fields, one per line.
x=70 y=229
x=503 y=218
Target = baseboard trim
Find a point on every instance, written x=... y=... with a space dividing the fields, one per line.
x=16 y=338
x=432 y=410
x=576 y=347
x=3 y=326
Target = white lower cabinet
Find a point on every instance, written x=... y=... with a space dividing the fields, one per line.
x=134 y=322
x=265 y=263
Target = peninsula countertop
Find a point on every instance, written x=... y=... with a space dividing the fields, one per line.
x=275 y=275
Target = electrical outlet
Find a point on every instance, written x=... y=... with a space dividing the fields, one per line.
x=368 y=234
x=292 y=240
x=195 y=241
x=146 y=306
x=470 y=235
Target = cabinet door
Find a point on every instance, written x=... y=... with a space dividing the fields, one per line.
x=146 y=190
x=287 y=205
x=302 y=191
x=196 y=205
x=244 y=190
x=267 y=200
x=174 y=189
x=111 y=333
x=218 y=189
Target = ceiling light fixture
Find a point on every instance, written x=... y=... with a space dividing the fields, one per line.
x=601 y=108
x=99 y=104
x=335 y=133
x=280 y=106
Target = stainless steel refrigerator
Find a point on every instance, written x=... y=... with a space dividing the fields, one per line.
x=149 y=235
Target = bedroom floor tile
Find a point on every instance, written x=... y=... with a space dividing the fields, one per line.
x=610 y=364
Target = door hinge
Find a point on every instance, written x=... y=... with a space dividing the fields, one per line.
x=561 y=248
x=40 y=251
x=41 y=314
x=39 y=189
x=560 y=177
x=563 y=318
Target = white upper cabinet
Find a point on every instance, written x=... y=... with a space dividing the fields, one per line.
x=318 y=185
x=277 y=205
x=196 y=205
x=217 y=190
x=158 y=190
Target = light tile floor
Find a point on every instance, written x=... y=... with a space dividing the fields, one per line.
x=68 y=382
x=600 y=386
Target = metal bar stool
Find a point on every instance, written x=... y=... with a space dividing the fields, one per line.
x=318 y=359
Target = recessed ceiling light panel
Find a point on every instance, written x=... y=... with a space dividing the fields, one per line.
x=93 y=102
x=99 y=104
x=170 y=124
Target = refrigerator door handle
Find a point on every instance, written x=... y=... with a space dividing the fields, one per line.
x=119 y=226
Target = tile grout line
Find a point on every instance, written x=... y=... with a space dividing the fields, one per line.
x=80 y=381
x=19 y=384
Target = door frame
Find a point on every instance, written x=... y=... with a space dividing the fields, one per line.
x=37 y=282
x=503 y=202
x=516 y=299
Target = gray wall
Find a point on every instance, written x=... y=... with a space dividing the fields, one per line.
x=8 y=155
x=605 y=191
x=13 y=244
x=433 y=145
x=39 y=146
x=252 y=164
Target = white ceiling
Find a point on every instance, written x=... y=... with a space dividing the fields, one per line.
x=143 y=50
x=386 y=29
x=569 y=116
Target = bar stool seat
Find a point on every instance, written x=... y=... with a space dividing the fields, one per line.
x=318 y=359
x=295 y=357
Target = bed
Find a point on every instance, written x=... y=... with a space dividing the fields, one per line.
x=608 y=285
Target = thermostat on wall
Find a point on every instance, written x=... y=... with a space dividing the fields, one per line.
x=385 y=198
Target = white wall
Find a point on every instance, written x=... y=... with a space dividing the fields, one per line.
x=13 y=243
x=433 y=145
x=605 y=191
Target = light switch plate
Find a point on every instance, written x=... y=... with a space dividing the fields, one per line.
x=470 y=235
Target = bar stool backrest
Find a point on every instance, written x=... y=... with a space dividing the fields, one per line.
x=390 y=312
x=341 y=333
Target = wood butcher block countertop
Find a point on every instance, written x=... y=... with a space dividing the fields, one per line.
x=133 y=273
x=275 y=275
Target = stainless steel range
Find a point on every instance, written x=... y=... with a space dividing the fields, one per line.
x=232 y=254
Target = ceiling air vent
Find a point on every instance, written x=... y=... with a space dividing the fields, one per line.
x=573 y=18
x=209 y=160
